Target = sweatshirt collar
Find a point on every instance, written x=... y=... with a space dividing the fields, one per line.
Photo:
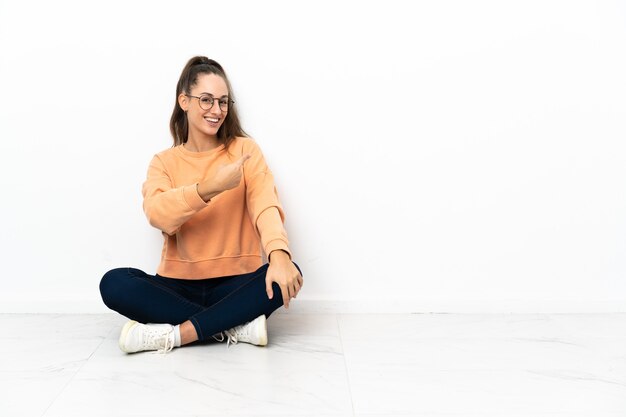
x=204 y=154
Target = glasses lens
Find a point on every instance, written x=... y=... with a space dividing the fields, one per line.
x=206 y=102
x=224 y=104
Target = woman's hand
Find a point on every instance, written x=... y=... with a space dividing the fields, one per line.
x=283 y=272
x=229 y=176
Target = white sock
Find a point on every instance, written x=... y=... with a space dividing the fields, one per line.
x=177 y=336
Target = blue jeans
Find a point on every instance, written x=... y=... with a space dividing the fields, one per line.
x=212 y=305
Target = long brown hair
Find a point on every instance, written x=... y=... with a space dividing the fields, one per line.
x=230 y=129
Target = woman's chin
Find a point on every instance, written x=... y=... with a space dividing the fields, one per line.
x=212 y=131
x=207 y=132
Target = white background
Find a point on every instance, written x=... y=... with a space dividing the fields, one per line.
x=444 y=156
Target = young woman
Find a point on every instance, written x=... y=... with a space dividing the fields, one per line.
x=213 y=197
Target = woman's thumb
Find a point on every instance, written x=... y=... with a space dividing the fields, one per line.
x=243 y=159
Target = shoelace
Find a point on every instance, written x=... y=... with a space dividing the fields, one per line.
x=219 y=334
x=233 y=335
x=155 y=337
x=230 y=334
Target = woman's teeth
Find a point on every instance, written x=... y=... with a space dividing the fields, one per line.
x=212 y=120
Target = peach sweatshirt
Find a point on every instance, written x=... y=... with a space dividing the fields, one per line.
x=224 y=236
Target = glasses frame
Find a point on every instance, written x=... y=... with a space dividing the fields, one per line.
x=230 y=102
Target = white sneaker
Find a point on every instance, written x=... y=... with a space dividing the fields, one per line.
x=253 y=332
x=136 y=337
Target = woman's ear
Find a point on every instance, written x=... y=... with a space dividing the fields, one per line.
x=183 y=102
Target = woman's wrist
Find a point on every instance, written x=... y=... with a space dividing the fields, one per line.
x=206 y=191
x=279 y=255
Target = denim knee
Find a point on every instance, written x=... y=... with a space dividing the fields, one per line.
x=110 y=285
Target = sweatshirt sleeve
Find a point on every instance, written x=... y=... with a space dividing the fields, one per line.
x=272 y=232
x=264 y=208
x=168 y=208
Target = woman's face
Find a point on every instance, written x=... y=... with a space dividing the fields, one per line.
x=203 y=121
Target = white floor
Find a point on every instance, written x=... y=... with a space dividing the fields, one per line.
x=324 y=365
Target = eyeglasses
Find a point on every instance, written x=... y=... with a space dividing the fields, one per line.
x=206 y=102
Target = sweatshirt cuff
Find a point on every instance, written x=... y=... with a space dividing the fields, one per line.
x=276 y=244
x=192 y=198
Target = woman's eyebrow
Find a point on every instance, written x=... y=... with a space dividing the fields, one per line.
x=213 y=95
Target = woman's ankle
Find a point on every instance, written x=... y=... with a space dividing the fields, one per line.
x=188 y=333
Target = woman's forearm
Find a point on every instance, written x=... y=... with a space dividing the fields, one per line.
x=207 y=190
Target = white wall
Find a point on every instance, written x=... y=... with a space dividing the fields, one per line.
x=444 y=156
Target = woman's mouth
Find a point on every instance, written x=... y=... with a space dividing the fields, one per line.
x=212 y=121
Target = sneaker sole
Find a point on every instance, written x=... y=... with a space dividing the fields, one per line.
x=263 y=336
x=125 y=331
